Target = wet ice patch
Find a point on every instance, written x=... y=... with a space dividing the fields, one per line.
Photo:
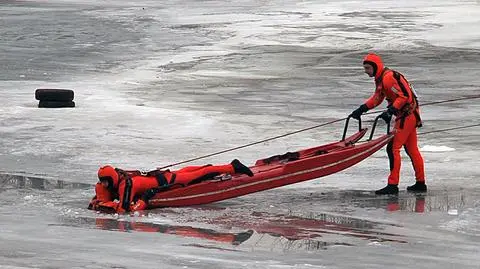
x=28 y=197
x=375 y=243
x=453 y=212
x=467 y=222
x=431 y=148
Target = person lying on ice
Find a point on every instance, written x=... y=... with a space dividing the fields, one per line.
x=125 y=191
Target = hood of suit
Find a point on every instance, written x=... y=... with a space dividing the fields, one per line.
x=108 y=173
x=376 y=62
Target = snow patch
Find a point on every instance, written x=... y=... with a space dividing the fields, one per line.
x=431 y=148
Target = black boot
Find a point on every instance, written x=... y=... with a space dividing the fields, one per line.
x=240 y=168
x=389 y=189
x=418 y=187
x=242 y=237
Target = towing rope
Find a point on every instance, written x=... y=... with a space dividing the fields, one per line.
x=449 y=129
x=325 y=124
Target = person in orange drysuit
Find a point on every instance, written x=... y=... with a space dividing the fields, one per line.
x=133 y=189
x=402 y=102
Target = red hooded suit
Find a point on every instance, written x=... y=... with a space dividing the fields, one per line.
x=393 y=86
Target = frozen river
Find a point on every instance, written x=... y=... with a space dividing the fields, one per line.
x=157 y=82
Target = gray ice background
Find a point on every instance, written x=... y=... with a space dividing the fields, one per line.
x=158 y=82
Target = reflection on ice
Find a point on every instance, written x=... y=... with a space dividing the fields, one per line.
x=111 y=224
x=432 y=201
x=311 y=231
x=288 y=233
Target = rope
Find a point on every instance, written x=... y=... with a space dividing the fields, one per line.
x=453 y=100
x=437 y=102
x=449 y=129
x=254 y=143
x=317 y=126
x=437 y=131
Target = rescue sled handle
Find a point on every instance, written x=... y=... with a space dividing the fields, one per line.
x=346 y=127
x=360 y=127
x=375 y=124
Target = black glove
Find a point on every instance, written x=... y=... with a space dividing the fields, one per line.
x=149 y=194
x=392 y=110
x=386 y=116
x=359 y=111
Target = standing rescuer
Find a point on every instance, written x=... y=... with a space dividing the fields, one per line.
x=403 y=104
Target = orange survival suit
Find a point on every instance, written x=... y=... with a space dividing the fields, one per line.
x=134 y=189
x=402 y=102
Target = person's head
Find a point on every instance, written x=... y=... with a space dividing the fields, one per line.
x=108 y=177
x=373 y=65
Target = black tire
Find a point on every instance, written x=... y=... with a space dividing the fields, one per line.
x=59 y=95
x=55 y=104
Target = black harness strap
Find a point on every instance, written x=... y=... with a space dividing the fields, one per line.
x=172 y=180
x=124 y=176
x=160 y=176
x=406 y=107
x=397 y=76
x=127 y=194
x=419 y=120
x=161 y=179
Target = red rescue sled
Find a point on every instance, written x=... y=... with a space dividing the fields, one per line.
x=277 y=171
